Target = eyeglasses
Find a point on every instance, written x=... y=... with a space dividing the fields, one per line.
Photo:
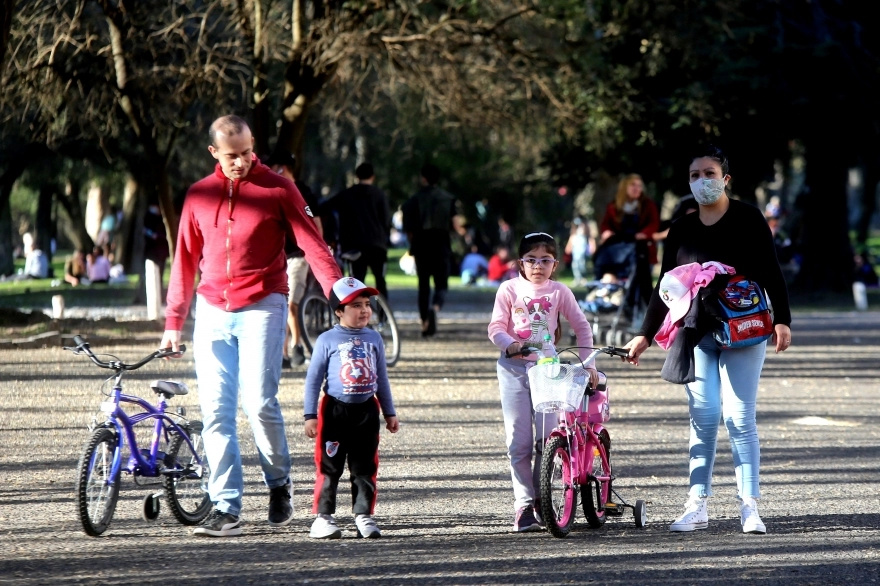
x=544 y=262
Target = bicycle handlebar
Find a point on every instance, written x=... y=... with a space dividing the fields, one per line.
x=82 y=347
x=523 y=352
x=610 y=350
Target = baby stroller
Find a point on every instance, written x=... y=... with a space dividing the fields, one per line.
x=616 y=310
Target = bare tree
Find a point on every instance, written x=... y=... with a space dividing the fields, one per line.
x=481 y=64
x=132 y=76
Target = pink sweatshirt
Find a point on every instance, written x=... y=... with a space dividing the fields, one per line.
x=524 y=313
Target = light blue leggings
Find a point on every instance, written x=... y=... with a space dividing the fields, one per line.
x=726 y=388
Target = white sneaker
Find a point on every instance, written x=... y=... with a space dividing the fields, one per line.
x=324 y=527
x=748 y=514
x=366 y=527
x=695 y=516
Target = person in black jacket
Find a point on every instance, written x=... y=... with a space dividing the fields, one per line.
x=427 y=221
x=726 y=385
x=364 y=225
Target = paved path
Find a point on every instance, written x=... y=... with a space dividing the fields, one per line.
x=445 y=503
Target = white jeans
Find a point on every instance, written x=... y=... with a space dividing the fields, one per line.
x=525 y=430
x=241 y=351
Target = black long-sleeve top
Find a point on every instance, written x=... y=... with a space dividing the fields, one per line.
x=741 y=239
x=364 y=217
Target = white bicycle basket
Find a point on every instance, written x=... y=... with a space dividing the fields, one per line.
x=557 y=387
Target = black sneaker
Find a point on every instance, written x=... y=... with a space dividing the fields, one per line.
x=281 y=505
x=219 y=524
x=299 y=357
x=525 y=520
x=285 y=362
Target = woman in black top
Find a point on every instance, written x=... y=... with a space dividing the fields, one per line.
x=726 y=386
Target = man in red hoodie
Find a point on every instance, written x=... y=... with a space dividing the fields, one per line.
x=232 y=231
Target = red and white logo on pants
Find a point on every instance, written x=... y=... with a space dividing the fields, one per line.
x=332 y=448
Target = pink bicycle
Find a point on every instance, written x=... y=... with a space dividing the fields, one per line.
x=577 y=461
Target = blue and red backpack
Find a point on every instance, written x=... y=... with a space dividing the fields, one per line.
x=741 y=311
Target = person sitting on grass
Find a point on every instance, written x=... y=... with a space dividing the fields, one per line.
x=474 y=267
x=75 y=269
x=97 y=266
x=348 y=361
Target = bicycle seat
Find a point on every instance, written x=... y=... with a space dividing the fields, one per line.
x=169 y=388
x=351 y=255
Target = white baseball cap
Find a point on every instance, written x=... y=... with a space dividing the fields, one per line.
x=346 y=290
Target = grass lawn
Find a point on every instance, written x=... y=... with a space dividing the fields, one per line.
x=37 y=293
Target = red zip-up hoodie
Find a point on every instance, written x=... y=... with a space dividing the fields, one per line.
x=233 y=232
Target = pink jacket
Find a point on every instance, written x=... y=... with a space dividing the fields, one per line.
x=688 y=279
x=524 y=313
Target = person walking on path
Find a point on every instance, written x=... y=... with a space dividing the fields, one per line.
x=283 y=163
x=349 y=364
x=726 y=380
x=364 y=225
x=526 y=309
x=232 y=231
x=427 y=221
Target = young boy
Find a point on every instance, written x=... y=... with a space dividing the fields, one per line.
x=348 y=361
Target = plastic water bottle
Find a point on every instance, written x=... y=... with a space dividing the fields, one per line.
x=548 y=355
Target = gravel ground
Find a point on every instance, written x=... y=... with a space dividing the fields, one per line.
x=445 y=502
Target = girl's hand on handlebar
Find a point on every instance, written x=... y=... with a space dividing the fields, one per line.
x=171 y=339
x=594 y=377
x=636 y=346
x=311 y=428
x=514 y=348
x=781 y=337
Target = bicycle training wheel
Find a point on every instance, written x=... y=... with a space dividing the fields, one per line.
x=384 y=323
x=315 y=318
x=96 y=491
x=557 y=489
x=186 y=490
x=601 y=467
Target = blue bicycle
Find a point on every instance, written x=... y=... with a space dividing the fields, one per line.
x=180 y=467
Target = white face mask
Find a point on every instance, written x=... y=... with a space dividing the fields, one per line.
x=707 y=191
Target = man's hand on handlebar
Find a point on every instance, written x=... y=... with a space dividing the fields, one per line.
x=171 y=339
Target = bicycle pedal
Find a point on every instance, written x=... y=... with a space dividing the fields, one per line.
x=613 y=509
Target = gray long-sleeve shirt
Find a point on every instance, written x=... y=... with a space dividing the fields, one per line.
x=350 y=366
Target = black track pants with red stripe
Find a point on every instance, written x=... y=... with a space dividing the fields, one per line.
x=347 y=430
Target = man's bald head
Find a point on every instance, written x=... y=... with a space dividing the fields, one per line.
x=232 y=144
x=226 y=126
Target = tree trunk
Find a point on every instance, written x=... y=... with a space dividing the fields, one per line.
x=827 y=253
x=43 y=225
x=870 y=179
x=14 y=168
x=73 y=208
x=250 y=17
x=145 y=132
x=166 y=205
x=7 y=263
x=129 y=244
x=5 y=27
x=301 y=84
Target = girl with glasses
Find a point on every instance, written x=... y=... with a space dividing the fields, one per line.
x=526 y=308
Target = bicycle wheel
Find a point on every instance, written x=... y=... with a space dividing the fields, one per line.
x=186 y=491
x=383 y=322
x=601 y=467
x=315 y=318
x=557 y=490
x=96 y=491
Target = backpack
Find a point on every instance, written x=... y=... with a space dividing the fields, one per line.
x=741 y=312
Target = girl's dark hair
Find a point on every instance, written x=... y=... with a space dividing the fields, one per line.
x=713 y=152
x=535 y=239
